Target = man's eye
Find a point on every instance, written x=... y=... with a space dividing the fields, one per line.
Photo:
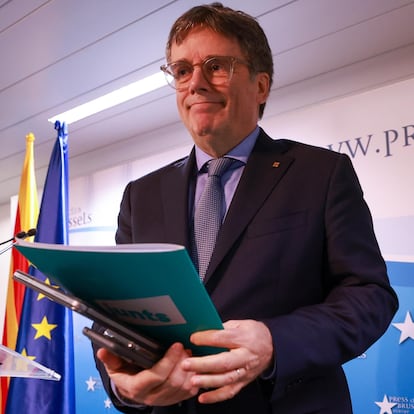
x=181 y=72
x=215 y=66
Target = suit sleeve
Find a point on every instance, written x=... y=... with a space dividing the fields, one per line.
x=359 y=302
x=124 y=233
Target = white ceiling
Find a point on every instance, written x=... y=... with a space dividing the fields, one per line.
x=56 y=54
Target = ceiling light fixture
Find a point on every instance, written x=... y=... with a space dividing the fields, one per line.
x=124 y=94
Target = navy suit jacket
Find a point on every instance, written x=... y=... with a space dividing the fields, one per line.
x=297 y=251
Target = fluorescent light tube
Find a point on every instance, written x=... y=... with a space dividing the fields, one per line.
x=111 y=99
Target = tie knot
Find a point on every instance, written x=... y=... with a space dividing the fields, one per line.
x=218 y=166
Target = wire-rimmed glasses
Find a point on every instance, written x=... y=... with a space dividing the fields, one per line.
x=217 y=70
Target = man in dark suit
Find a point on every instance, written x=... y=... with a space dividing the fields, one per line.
x=296 y=272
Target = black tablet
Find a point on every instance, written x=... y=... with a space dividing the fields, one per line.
x=140 y=349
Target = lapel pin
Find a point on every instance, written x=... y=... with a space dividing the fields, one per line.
x=276 y=164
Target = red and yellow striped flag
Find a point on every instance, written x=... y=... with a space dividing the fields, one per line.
x=26 y=218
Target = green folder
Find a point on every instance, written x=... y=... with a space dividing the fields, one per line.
x=152 y=287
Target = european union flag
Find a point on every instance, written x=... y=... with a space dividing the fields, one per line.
x=45 y=331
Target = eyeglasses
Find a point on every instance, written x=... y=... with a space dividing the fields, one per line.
x=218 y=70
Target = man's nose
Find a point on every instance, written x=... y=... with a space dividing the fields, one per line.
x=198 y=79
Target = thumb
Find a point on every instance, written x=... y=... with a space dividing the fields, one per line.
x=114 y=363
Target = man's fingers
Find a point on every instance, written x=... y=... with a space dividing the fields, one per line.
x=221 y=394
x=219 y=380
x=114 y=363
x=165 y=365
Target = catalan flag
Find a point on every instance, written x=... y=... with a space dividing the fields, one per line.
x=26 y=218
x=46 y=332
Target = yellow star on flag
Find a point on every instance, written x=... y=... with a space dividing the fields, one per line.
x=24 y=353
x=47 y=281
x=21 y=364
x=43 y=328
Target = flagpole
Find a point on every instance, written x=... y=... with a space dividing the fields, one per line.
x=27 y=211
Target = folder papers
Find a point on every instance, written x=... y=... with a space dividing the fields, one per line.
x=151 y=287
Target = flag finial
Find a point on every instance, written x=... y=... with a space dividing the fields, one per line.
x=30 y=137
x=61 y=128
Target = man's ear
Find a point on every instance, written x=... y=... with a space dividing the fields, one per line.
x=263 y=87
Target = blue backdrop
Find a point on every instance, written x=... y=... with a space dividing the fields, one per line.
x=382 y=379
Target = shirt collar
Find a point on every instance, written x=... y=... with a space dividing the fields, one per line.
x=240 y=152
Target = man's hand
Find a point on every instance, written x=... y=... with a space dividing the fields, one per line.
x=166 y=383
x=178 y=376
x=224 y=375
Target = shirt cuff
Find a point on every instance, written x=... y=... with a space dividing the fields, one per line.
x=269 y=373
x=126 y=402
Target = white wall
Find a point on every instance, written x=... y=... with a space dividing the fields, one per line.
x=95 y=199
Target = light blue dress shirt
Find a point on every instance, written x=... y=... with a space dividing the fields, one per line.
x=230 y=179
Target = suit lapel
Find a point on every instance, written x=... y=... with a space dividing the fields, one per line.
x=175 y=193
x=266 y=166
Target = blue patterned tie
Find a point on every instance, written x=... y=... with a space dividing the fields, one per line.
x=208 y=214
